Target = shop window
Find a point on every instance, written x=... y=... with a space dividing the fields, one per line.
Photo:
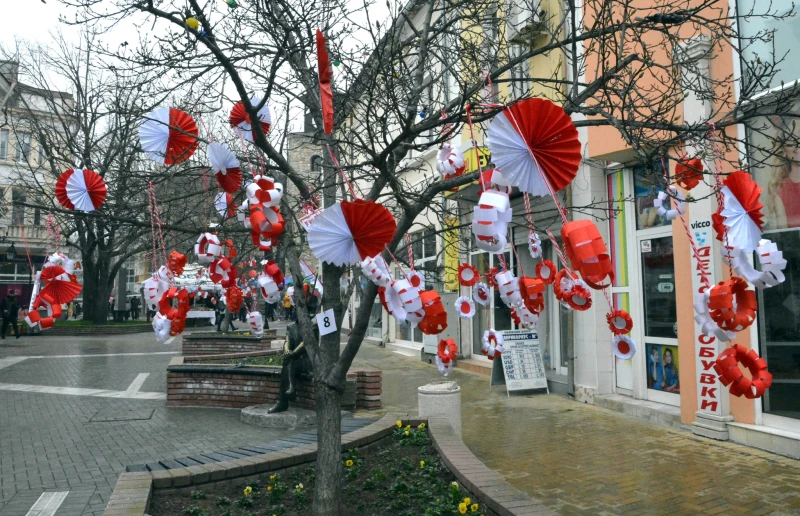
x=648 y=180
x=773 y=38
x=658 y=288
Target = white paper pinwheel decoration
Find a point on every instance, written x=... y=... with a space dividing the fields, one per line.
x=742 y=212
x=663 y=203
x=168 y=136
x=450 y=161
x=207 y=248
x=623 y=347
x=241 y=123
x=256 y=323
x=490 y=221
x=772 y=265
x=465 y=307
x=225 y=166
x=82 y=190
x=416 y=279
x=481 y=293
x=350 y=231
x=224 y=204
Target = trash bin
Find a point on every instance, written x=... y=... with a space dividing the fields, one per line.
x=441 y=399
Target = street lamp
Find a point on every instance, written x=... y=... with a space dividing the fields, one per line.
x=11 y=253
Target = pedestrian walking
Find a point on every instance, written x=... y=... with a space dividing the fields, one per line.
x=135 y=308
x=10 y=311
x=287 y=307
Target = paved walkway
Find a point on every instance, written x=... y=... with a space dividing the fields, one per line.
x=579 y=459
x=74 y=412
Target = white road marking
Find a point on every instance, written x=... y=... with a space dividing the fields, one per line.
x=48 y=503
x=136 y=384
x=107 y=355
x=5 y=362
x=78 y=391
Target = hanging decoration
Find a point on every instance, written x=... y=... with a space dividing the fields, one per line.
x=490 y=221
x=82 y=190
x=703 y=317
x=587 y=252
x=532 y=292
x=663 y=201
x=492 y=344
x=742 y=214
x=465 y=307
x=732 y=305
x=772 y=264
x=492 y=179
x=376 y=270
x=350 y=231
x=480 y=293
x=446 y=356
x=234 y=297
x=155 y=287
x=241 y=123
x=534 y=245
x=434 y=321
x=325 y=75
x=208 y=248
x=572 y=292
x=688 y=173
x=450 y=161
x=491 y=277
x=171 y=319
x=619 y=322
x=224 y=204
x=176 y=263
x=168 y=136
x=271 y=282
x=416 y=279
x=467 y=275
x=546 y=271
x=256 y=323
x=727 y=367
x=535 y=144
x=226 y=167
x=508 y=286
x=60 y=282
x=623 y=347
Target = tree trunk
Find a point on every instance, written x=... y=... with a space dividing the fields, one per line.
x=95 y=293
x=328 y=483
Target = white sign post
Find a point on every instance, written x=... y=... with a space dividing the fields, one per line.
x=521 y=362
x=326 y=322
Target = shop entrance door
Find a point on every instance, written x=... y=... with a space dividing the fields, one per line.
x=660 y=350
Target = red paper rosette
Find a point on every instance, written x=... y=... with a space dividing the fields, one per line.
x=234 y=297
x=325 y=75
x=688 y=173
x=727 y=367
x=240 y=120
x=731 y=305
x=587 y=252
x=539 y=127
x=447 y=350
x=435 y=320
x=491 y=277
x=467 y=275
x=619 y=322
x=579 y=298
x=165 y=304
x=176 y=263
x=546 y=271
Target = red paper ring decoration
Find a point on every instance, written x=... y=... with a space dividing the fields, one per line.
x=434 y=321
x=579 y=298
x=587 y=252
x=619 y=322
x=546 y=271
x=467 y=275
x=731 y=305
x=447 y=350
x=727 y=367
x=688 y=173
x=560 y=294
x=491 y=276
x=165 y=307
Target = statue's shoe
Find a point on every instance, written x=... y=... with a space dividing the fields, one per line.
x=279 y=407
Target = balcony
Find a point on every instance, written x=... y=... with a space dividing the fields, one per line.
x=35 y=238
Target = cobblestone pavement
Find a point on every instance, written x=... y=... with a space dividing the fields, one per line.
x=81 y=444
x=578 y=459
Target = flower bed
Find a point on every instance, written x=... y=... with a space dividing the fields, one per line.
x=401 y=474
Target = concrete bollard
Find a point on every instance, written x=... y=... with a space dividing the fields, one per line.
x=441 y=399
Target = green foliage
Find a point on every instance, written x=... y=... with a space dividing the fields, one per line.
x=194 y=511
x=408 y=436
x=223 y=501
x=198 y=495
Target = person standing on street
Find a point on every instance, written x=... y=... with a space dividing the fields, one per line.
x=135 y=308
x=10 y=310
x=287 y=307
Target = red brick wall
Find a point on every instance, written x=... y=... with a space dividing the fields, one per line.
x=220 y=386
x=204 y=345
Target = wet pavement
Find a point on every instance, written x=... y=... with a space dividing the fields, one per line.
x=574 y=458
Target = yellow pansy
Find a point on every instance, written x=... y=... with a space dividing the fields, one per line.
x=473 y=507
x=272 y=478
x=348 y=463
x=421 y=426
x=248 y=490
x=422 y=464
x=269 y=488
x=462 y=508
x=399 y=423
x=467 y=500
x=407 y=434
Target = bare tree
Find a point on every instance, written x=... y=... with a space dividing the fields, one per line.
x=406 y=83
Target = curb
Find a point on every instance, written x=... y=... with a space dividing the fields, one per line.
x=133 y=491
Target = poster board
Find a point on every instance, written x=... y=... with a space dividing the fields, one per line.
x=521 y=366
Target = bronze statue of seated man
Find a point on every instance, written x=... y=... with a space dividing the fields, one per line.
x=296 y=365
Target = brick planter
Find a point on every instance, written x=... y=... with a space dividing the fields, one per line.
x=217 y=343
x=192 y=384
x=96 y=330
x=133 y=492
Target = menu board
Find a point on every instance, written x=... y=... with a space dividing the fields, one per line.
x=521 y=363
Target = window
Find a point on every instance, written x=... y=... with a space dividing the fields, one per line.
x=772 y=38
x=23 y=149
x=647 y=182
x=520 y=73
x=316 y=163
x=41 y=156
x=3 y=144
x=17 y=211
x=37 y=217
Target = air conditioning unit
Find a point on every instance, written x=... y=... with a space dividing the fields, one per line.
x=527 y=25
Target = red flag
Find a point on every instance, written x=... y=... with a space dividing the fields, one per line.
x=325 y=75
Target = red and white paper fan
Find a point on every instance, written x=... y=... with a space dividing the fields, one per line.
x=82 y=190
x=539 y=127
x=241 y=123
x=224 y=204
x=742 y=211
x=226 y=167
x=350 y=231
x=59 y=286
x=465 y=307
x=168 y=135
